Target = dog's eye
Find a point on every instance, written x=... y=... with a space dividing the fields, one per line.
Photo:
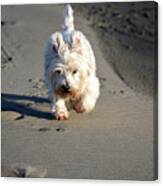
x=74 y=72
x=58 y=72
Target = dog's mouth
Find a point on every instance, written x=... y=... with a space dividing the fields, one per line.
x=65 y=93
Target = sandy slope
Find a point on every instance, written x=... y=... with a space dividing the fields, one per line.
x=115 y=141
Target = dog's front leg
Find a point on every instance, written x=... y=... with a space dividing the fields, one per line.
x=85 y=104
x=87 y=100
x=59 y=109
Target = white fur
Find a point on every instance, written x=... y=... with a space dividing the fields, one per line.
x=70 y=70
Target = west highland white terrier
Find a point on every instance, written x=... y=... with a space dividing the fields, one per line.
x=70 y=70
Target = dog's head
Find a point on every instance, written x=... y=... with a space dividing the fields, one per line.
x=70 y=70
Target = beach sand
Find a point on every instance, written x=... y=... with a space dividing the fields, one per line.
x=115 y=141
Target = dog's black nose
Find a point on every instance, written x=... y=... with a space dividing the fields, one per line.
x=66 y=88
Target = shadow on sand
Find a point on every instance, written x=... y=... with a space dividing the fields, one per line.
x=9 y=103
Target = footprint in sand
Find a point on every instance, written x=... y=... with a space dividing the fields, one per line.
x=44 y=129
x=11 y=115
x=23 y=170
x=102 y=81
x=60 y=129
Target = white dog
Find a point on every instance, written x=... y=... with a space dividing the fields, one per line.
x=70 y=70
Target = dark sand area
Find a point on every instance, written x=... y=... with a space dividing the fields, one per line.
x=128 y=31
x=116 y=140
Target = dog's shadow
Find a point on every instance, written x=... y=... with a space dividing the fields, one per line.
x=9 y=102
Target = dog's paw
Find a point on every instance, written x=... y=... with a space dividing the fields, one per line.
x=61 y=115
x=84 y=106
x=79 y=108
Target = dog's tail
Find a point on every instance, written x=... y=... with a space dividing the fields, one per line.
x=68 y=22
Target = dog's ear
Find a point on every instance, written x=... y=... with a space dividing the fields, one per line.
x=77 y=43
x=57 y=42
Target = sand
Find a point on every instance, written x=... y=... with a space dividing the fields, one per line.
x=115 y=141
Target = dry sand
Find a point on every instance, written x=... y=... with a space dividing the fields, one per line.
x=115 y=141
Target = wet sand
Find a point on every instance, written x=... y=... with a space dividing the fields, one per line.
x=115 y=141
